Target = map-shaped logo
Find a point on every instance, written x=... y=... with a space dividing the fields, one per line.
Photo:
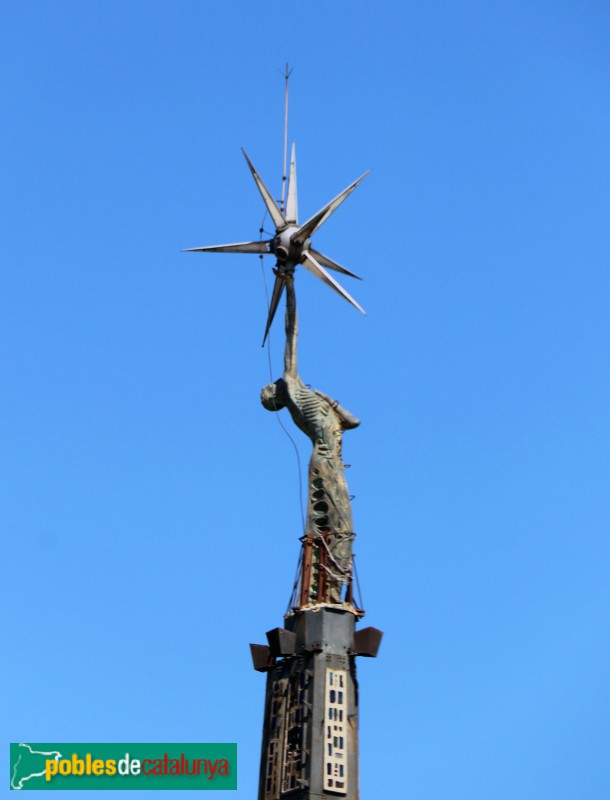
x=28 y=764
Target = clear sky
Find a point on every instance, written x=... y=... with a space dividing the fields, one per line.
x=150 y=511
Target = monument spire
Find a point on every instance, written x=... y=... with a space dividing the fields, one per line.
x=310 y=729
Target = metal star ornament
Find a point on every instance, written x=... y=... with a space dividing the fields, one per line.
x=291 y=244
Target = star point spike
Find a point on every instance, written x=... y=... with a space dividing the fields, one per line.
x=330 y=264
x=311 y=264
x=313 y=223
x=274 y=212
x=239 y=247
x=278 y=291
x=291 y=202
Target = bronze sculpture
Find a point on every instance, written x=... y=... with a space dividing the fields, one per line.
x=329 y=516
x=327 y=551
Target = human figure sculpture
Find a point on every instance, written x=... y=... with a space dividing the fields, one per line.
x=323 y=420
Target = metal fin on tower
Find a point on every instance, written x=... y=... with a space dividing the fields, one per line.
x=313 y=223
x=330 y=264
x=278 y=290
x=238 y=247
x=291 y=202
x=310 y=263
x=274 y=212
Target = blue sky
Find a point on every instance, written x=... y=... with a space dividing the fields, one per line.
x=150 y=508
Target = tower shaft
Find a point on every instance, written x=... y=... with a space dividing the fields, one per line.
x=310 y=732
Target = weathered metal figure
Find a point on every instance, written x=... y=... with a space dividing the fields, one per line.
x=329 y=515
x=329 y=535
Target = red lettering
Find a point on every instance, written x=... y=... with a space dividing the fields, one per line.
x=187 y=768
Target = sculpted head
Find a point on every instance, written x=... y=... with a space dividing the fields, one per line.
x=273 y=396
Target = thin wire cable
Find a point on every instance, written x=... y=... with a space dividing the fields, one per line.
x=343 y=571
x=279 y=419
x=293 y=596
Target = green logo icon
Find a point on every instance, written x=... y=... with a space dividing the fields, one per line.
x=123 y=766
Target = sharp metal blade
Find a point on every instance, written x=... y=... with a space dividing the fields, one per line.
x=291 y=202
x=238 y=247
x=278 y=289
x=330 y=264
x=313 y=223
x=310 y=263
x=274 y=212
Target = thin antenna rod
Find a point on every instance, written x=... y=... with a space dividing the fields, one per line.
x=286 y=74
